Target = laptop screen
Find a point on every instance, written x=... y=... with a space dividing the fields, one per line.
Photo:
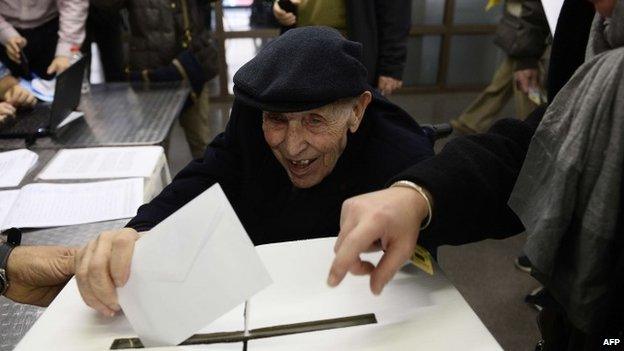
x=67 y=92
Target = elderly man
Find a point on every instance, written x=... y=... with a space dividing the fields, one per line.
x=301 y=139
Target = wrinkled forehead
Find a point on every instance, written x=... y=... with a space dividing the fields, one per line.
x=329 y=111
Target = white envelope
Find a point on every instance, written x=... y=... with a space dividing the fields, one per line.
x=190 y=269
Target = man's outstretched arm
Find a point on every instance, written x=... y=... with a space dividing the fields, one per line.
x=468 y=183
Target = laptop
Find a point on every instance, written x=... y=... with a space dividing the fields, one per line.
x=43 y=119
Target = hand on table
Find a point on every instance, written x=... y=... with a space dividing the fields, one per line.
x=388 y=219
x=387 y=85
x=6 y=111
x=284 y=18
x=104 y=265
x=58 y=65
x=19 y=96
x=13 y=47
x=37 y=274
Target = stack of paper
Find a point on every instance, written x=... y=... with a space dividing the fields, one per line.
x=14 y=165
x=103 y=162
x=49 y=205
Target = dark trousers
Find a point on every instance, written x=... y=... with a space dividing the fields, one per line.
x=104 y=29
x=39 y=51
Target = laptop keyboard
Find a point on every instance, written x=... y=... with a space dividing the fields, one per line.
x=27 y=121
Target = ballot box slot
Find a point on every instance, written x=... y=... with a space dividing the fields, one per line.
x=260 y=333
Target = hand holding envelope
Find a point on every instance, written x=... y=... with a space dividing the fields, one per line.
x=186 y=272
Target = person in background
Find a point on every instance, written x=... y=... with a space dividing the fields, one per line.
x=523 y=35
x=381 y=26
x=104 y=27
x=45 y=31
x=12 y=94
x=169 y=42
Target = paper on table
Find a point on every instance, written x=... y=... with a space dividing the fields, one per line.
x=41 y=88
x=103 y=162
x=7 y=198
x=14 y=165
x=74 y=115
x=49 y=205
x=190 y=269
x=552 y=8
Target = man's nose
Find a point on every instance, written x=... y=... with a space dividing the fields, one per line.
x=295 y=139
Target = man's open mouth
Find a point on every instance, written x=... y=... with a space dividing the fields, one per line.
x=302 y=166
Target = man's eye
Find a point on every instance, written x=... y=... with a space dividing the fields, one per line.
x=315 y=121
x=275 y=119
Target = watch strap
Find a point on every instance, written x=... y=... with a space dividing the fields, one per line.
x=14 y=238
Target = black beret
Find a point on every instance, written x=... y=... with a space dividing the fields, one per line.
x=303 y=69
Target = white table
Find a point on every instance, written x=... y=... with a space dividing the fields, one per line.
x=415 y=311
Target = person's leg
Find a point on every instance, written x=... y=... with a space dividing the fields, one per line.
x=195 y=120
x=41 y=47
x=480 y=115
x=104 y=28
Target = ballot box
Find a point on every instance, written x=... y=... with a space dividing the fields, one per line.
x=297 y=312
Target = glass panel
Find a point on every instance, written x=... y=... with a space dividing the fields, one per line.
x=473 y=59
x=240 y=50
x=473 y=12
x=427 y=11
x=422 y=60
x=236 y=19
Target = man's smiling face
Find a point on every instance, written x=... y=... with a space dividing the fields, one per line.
x=308 y=144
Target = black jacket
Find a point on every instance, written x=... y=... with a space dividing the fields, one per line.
x=262 y=195
x=382 y=26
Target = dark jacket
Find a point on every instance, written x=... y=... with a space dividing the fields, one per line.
x=158 y=33
x=382 y=27
x=472 y=178
x=523 y=32
x=262 y=195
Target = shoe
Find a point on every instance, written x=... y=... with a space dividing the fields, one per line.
x=523 y=264
x=536 y=298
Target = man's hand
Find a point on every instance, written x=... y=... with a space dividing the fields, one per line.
x=104 y=265
x=387 y=85
x=284 y=18
x=58 y=65
x=527 y=79
x=6 y=111
x=389 y=220
x=13 y=47
x=18 y=96
x=37 y=274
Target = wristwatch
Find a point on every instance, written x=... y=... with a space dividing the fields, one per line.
x=14 y=238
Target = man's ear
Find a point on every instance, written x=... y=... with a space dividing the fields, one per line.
x=359 y=109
